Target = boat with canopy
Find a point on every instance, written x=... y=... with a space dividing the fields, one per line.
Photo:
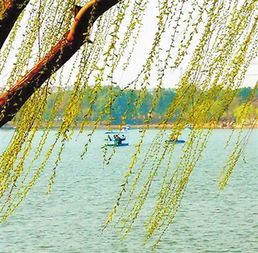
x=117 y=138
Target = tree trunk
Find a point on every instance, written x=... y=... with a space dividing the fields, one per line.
x=12 y=100
x=12 y=10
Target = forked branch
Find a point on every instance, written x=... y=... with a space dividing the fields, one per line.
x=12 y=100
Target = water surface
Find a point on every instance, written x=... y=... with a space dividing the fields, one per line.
x=71 y=217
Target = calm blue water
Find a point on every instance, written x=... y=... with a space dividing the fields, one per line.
x=70 y=218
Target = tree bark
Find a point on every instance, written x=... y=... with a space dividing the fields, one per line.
x=12 y=100
x=9 y=16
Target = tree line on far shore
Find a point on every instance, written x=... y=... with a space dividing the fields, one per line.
x=133 y=106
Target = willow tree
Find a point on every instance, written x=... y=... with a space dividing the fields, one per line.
x=215 y=40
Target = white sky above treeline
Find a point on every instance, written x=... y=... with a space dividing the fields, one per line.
x=172 y=76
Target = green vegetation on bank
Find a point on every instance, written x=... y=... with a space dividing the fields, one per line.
x=133 y=106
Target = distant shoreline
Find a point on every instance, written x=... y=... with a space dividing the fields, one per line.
x=221 y=125
x=168 y=126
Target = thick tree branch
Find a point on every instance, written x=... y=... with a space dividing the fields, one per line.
x=12 y=100
x=11 y=12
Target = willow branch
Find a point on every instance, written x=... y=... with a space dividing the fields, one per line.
x=11 y=11
x=12 y=100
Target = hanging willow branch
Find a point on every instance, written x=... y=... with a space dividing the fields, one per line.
x=220 y=38
x=12 y=100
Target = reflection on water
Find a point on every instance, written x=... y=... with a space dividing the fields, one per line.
x=71 y=217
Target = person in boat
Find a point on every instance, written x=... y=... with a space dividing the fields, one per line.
x=121 y=139
x=109 y=138
x=174 y=138
x=118 y=139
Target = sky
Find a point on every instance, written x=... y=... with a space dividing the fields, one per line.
x=172 y=76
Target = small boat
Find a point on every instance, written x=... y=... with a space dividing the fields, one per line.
x=140 y=130
x=117 y=145
x=126 y=127
x=174 y=141
x=116 y=138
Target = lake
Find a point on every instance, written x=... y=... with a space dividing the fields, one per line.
x=70 y=218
